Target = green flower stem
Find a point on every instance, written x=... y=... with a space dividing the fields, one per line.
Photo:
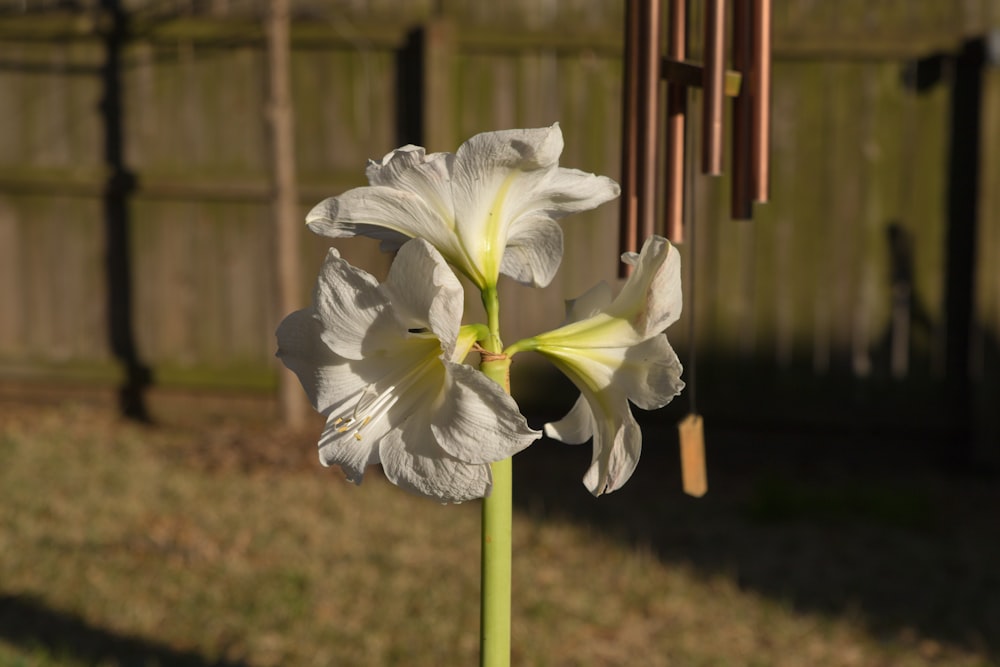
x=497 y=521
x=494 y=632
x=491 y=301
x=522 y=345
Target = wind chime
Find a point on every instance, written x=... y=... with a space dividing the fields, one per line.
x=747 y=83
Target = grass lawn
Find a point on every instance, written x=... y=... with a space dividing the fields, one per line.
x=231 y=545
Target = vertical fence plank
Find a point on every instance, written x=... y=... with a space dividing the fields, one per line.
x=439 y=103
x=12 y=332
x=810 y=215
x=843 y=201
x=880 y=152
x=775 y=276
x=280 y=113
x=925 y=204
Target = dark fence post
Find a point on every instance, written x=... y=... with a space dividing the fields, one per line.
x=965 y=135
x=117 y=190
x=425 y=87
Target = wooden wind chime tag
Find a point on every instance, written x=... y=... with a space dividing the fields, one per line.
x=693 y=473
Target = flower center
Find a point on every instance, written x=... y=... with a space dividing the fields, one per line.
x=371 y=406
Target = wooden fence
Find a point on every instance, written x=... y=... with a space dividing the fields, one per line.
x=135 y=200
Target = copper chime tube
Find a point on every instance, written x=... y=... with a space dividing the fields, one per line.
x=676 y=112
x=761 y=134
x=712 y=86
x=741 y=198
x=629 y=211
x=649 y=103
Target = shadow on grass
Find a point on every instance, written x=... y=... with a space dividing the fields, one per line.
x=27 y=622
x=872 y=528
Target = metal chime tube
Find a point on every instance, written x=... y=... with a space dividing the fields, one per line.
x=712 y=86
x=645 y=68
x=649 y=108
x=743 y=166
x=676 y=113
x=629 y=211
x=761 y=135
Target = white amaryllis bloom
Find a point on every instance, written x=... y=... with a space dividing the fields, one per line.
x=382 y=364
x=489 y=208
x=614 y=351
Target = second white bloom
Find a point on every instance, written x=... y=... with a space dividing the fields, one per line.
x=614 y=351
x=382 y=364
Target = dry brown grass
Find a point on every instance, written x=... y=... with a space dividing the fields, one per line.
x=125 y=545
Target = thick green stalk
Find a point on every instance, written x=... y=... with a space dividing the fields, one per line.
x=494 y=633
x=491 y=302
x=495 y=591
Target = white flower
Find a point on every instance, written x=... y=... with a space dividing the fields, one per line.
x=381 y=363
x=614 y=352
x=490 y=208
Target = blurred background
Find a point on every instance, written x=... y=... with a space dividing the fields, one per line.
x=846 y=341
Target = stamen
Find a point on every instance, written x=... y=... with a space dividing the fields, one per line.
x=370 y=406
x=374 y=403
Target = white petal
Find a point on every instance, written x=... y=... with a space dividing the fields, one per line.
x=425 y=293
x=331 y=218
x=388 y=214
x=337 y=385
x=506 y=186
x=413 y=462
x=393 y=163
x=534 y=202
x=428 y=176
x=342 y=449
x=388 y=391
x=565 y=191
x=651 y=374
x=328 y=379
x=302 y=351
x=347 y=302
x=523 y=149
x=651 y=298
x=589 y=303
x=595 y=368
x=590 y=334
x=617 y=438
x=494 y=176
x=533 y=254
x=478 y=422
x=617 y=446
x=577 y=427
